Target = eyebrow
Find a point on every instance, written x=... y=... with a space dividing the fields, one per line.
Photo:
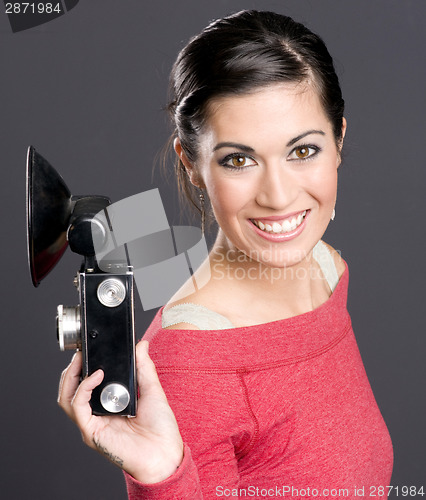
x=248 y=149
x=301 y=136
x=242 y=147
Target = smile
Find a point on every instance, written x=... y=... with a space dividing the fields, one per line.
x=282 y=227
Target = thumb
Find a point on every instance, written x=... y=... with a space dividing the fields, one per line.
x=148 y=381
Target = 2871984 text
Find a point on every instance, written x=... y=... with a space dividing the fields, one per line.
x=33 y=8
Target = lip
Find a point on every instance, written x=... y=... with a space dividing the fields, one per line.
x=284 y=236
x=274 y=218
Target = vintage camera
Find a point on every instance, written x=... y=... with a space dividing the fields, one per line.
x=102 y=325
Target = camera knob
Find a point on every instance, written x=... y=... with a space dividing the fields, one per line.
x=115 y=397
x=68 y=327
x=111 y=292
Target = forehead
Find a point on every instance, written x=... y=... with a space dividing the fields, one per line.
x=286 y=109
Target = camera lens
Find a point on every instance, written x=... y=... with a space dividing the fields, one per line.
x=68 y=327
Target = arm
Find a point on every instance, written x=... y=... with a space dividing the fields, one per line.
x=215 y=427
x=149 y=447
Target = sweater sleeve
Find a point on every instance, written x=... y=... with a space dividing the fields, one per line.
x=183 y=484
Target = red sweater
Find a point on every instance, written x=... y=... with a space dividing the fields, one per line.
x=279 y=409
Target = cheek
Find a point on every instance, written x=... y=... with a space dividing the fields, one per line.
x=323 y=185
x=227 y=198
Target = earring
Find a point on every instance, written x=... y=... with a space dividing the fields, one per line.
x=333 y=214
x=203 y=211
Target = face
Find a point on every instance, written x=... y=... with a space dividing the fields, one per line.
x=268 y=161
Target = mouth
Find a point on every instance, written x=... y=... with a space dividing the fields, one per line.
x=284 y=226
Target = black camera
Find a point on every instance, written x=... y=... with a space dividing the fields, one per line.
x=102 y=325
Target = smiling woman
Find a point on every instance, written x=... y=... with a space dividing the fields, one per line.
x=260 y=383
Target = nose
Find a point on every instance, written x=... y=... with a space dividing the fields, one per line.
x=277 y=189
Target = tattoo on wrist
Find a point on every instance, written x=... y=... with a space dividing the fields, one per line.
x=114 y=459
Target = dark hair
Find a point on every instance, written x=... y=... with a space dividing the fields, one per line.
x=240 y=54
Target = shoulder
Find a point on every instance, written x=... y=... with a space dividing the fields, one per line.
x=189 y=304
x=191 y=295
x=338 y=260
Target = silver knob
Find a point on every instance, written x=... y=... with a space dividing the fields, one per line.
x=111 y=292
x=115 y=397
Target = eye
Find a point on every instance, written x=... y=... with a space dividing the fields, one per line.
x=237 y=161
x=304 y=152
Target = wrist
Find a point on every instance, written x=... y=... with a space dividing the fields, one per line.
x=160 y=470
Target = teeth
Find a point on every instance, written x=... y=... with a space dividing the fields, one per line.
x=286 y=226
x=276 y=228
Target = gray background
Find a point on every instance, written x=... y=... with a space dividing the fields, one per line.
x=87 y=90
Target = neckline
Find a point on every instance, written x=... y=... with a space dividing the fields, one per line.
x=253 y=347
x=306 y=316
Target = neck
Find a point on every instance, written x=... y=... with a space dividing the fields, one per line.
x=247 y=278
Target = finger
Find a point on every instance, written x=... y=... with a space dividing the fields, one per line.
x=73 y=360
x=70 y=379
x=148 y=381
x=80 y=404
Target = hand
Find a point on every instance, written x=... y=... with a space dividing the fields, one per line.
x=149 y=446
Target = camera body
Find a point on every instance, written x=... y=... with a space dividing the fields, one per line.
x=102 y=327
x=102 y=324
x=122 y=244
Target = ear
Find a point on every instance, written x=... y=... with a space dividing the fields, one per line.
x=189 y=167
x=340 y=145
x=344 y=127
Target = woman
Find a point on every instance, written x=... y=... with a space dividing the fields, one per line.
x=265 y=387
